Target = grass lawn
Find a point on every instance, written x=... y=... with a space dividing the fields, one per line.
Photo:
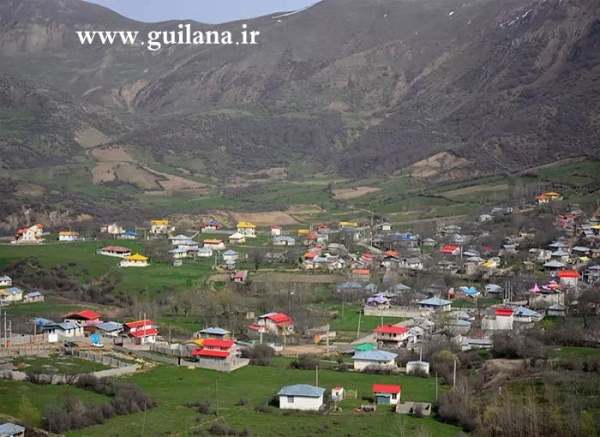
x=173 y=387
x=57 y=364
x=40 y=395
x=346 y=320
x=575 y=352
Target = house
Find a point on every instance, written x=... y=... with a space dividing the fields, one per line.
x=83 y=317
x=33 y=296
x=569 y=277
x=276 y=231
x=240 y=277
x=450 y=250
x=11 y=294
x=159 y=226
x=237 y=238
x=337 y=394
x=390 y=335
x=246 y=228
x=475 y=343
x=458 y=326
x=215 y=349
x=417 y=368
x=273 y=323
x=525 y=315
x=301 y=397
x=436 y=304
x=556 y=310
x=5 y=281
x=374 y=358
x=384 y=394
x=214 y=244
x=230 y=255
x=136 y=260
x=284 y=241
x=68 y=236
x=501 y=320
x=550 y=196
x=179 y=239
x=204 y=252
x=32 y=234
x=110 y=329
x=112 y=229
x=554 y=265
x=54 y=332
x=11 y=430
x=211 y=226
x=116 y=251
x=275 y=257
x=386 y=227
x=485 y=218
x=128 y=235
x=360 y=275
x=348 y=225
x=413 y=263
x=178 y=253
x=141 y=331
x=213 y=332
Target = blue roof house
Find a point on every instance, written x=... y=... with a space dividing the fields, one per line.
x=376 y=357
x=301 y=397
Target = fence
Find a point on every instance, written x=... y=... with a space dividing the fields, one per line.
x=109 y=361
x=405 y=312
x=27 y=350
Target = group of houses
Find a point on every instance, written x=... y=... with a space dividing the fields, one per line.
x=10 y=294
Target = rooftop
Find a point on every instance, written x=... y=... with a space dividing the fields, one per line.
x=304 y=390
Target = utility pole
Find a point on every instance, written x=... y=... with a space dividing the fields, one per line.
x=436 y=386
x=217 y=395
x=359 y=320
x=5 y=332
x=454 y=377
x=317 y=375
x=327 y=341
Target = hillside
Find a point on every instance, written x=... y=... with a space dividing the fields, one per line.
x=346 y=87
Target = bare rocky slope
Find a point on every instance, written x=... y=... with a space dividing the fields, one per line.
x=353 y=86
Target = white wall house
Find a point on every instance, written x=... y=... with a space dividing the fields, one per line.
x=11 y=294
x=116 y=251
x=364 y=359
x=68 y=236
x=301 y=397
x=247 y=229
x=214 y=244
x=5 y=281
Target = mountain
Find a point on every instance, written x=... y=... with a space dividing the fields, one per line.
x=350 y=87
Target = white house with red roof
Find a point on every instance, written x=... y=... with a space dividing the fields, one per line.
x=276 y=231
x=215 y=349
x=386 y=394
x=32 y=234
x=86 y=318
x=116 y=251
x=273 y=323
x=569 y=277
x=450 y=250
x=141 y=331
x=503 y=319
x=391 y=335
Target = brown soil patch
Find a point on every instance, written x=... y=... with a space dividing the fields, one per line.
x=111 y=154
x=298 y=278
x=352 y=193
x=220 y=277
x=91 y=137
x=305 y=209
x=265 y=218
x=437 y=165
x=31 y=190
x=499 y=370
x=103 y=172
x=294 y=351
x=129 y=172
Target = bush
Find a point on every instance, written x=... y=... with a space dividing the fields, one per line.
x=259 y=355
x=221 y=428
x=379 y=370
x=241 y=402
x=305 y=362
x=262 y=408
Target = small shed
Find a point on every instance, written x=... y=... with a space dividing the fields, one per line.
x=337 y=394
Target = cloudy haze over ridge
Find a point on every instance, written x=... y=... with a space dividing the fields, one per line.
x=206 y=11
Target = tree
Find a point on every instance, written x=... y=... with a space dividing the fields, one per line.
x=28 y=413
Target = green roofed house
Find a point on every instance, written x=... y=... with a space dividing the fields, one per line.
x=364 y=347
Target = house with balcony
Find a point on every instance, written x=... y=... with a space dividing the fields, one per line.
x=390 y=336
x=141 y=331
x=247 y=229
x=273 y=323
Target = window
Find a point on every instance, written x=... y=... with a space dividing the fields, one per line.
x=290 y=399
x=394 y=396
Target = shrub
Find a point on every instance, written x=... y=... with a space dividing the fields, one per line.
x=241 y=402
x=259 y=355
x=305 y=362
x=262 y=408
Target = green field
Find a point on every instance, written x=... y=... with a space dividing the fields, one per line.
x=57 y=364
x=173 y=387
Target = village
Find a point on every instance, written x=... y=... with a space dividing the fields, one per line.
x=413 y=296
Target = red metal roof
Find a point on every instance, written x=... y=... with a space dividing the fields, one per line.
x=310 y=255
x=394 y=253
x=385 y=388
x=209 y=353
x=504 y=312
x=280 y=318
x=449 y=249
x=390 y=329
x=139 y=323
x=144 y=332
x=254 y=327
x=568 y=274
x=86 y=314
x=212 y=342
x=361 y=272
